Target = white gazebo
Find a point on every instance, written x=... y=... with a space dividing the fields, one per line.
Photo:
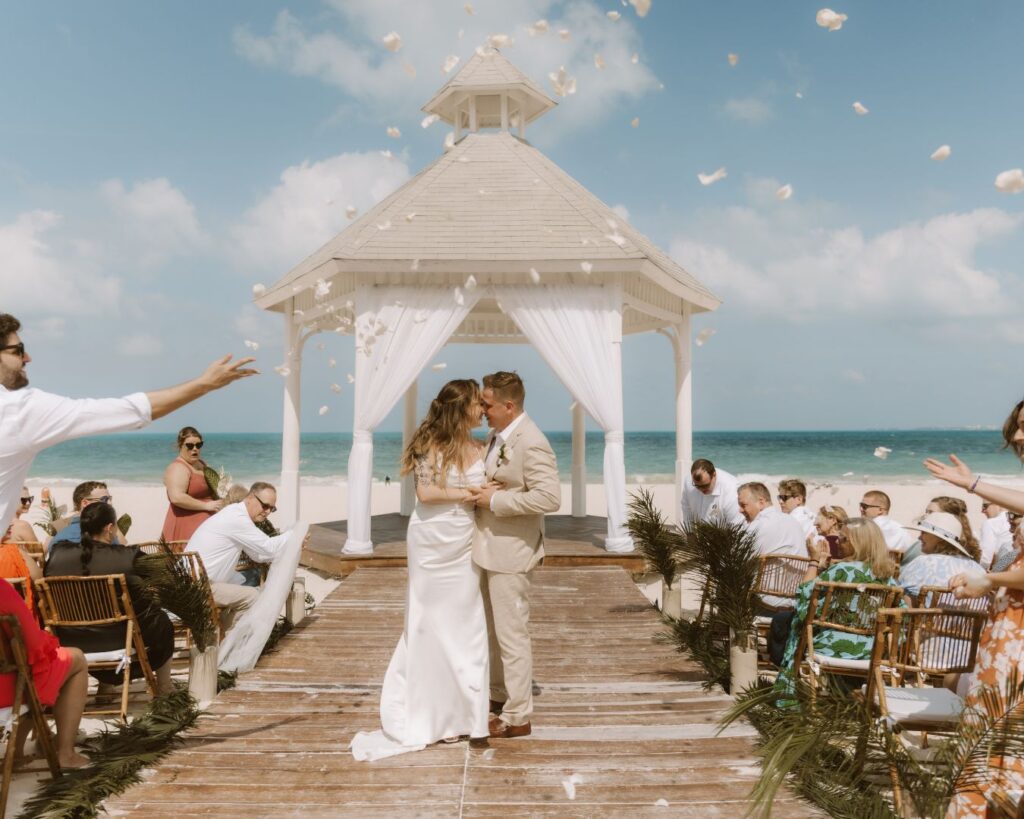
x=492 y=243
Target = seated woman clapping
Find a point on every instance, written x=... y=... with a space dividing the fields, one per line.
x=97 y=555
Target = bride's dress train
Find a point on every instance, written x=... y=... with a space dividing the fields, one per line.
x=437 y=684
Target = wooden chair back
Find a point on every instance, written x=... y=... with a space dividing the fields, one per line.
x=155 y=547
x=34 y=549
x=931 y=642
x=14 y=660
x=848 y=607
x=779 y=575
x=21 y=585
x=940 y=597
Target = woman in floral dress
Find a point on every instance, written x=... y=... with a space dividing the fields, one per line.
x=865 y=560
x=1001 y=650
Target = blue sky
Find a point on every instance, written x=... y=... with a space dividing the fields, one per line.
x=158 y=160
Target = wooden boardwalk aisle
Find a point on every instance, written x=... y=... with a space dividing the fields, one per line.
x=625 y=714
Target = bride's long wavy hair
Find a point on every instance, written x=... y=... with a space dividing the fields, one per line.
x=446 y=429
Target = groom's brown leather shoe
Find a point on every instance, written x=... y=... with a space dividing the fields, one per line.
x=502 y=730
x=496 y=706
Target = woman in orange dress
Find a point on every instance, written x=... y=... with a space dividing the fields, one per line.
x=191 y=501
x=1001 y=649
x=14 y=561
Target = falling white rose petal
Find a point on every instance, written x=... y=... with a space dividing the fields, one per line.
x=703 y=336
x=449 y=63
x=427 y=121
x=783 y=193
x=351 y=211
x=387 y=154
x=332 y=363
x=599 y=61
x=468 y=8
x=540 y=27
x=847 y=474
x=882 y=452
x=259 y=290
x=832 y=20
x=336 y=388
x=449 y=141
x=320 y=345
x=392 y=41
x=534 y=275
x=322 y=289
x=641 y=6
x=410 y=70
x=439 y=367
x=324 y=409
x=470 y=283
x=570 y=784
x=282 y=370
x=711 y=178
x=393 y=132
x=351 y=378
x=586 y=267
x=616 y=238
x=941 y=153
x=799 y=95
x=499 y=40
x=252 y=345
x=1011 y=181
x=420 y=317
x=562 y=82
x=734 y=59
x=459 y=298
x=612 y=15
x=860 y=108
x=635 y=59
x=565 y=34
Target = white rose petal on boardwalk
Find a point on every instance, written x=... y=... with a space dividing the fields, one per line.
x=661 y=803
x=586 y=267
x=385 y=225
x=410 y=216
x=351 y=211
x=941 y=153
x=641 y=6
x=534 y=275
x=570 y=783
x=259 y=290
x=882 y=452
x=540 y=27
x=612 y=15
x=252 y=345
x=860 y=108
x=832 y=20
x=438 y=367
x=336 y=388
x=393 y=132
x=1011 y=181
x=783 y=193
x=734 y=60
x=562 y=82
x=429 y=120
x=711 y=178
x=449 y=63
x=703 y=336
x=392 y=41
x=324 y=410
x=489 y=754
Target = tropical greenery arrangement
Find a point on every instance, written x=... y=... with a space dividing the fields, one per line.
x=169 y=584
x=653 y=537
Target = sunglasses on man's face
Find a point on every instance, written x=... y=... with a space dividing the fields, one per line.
x=190 y=446
x=865 y=506
x=268 y=508
x=784 y=498
x=103 y=499
x=28 y=501
x=18 y=349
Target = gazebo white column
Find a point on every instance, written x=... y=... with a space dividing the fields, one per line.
x=291 y=429
x=408 y=428
x=683 y=355
x=579 y=461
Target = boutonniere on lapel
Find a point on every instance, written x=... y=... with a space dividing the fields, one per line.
x=504 y=454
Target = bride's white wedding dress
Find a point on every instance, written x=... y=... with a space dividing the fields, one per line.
x=437 y=684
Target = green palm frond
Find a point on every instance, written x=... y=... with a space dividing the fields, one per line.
x=724 y=558
x=169 y=585
x=705 y=643
x=651 y=534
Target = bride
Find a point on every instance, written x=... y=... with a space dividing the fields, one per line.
x=437 y=684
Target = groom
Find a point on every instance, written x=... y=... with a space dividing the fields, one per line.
x=522 y=486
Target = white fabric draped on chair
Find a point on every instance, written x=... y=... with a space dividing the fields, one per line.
x=398 y=330
x=578 y=332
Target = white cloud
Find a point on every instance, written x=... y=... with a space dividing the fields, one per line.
x=157 y=219
x=307 y=208
x=751 y=110
x=140 y=345
x=349 y=56
x=784 y=263
x=44 y=272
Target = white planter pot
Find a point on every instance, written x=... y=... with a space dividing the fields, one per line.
x=202 y=674
x=742 y=662
x=650 y=584
x=295 y=605
x=672 y=600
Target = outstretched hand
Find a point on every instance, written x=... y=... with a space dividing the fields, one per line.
x=955 y=472
x=224 y=371
x=968 y=584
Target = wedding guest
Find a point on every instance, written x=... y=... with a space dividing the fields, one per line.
x=1008 y=555
x=221 y=540
x=995 y=534
x=958 y=509
x=827 y=524
x=945 y=553
x=32 y=420
x=775 y=532
x=793 y=501
x=875 y=506
x=16 y=562
x=709 y=494
x=21 y=531
x=84 y=494
x=58 y=676
x=98 y=554
x=190 y=497
x=866 y=560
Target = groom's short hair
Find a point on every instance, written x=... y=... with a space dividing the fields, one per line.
x=506 y=387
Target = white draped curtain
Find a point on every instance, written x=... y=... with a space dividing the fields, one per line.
x=578 y=332
x=398 y=330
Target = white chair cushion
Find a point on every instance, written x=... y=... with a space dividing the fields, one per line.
x=838 y=663
x=762 y=621
x=105 y=656
x=934 y=705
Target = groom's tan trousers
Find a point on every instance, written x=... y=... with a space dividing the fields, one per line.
x=507 y=604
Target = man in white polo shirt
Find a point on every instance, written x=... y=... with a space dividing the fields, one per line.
x=793 y=501
x=32 y=420
x=709 y=494
x=875 y=505
x=222 y=538
x=776 y=532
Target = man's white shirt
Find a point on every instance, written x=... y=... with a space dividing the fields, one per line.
x=803 y=516
x=896 y=537
x=995 y=536
x=778 y=533
x=221 y=539
x=498 y=439
x=32 y=420
x=719 y=505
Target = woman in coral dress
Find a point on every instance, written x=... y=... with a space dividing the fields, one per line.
x=191 y=501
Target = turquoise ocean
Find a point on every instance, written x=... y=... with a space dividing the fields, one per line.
x=846 y=456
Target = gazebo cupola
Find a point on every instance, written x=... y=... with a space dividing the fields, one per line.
x=492 y=243
x=489 y=92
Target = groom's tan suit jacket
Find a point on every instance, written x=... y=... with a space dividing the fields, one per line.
x=510 y=534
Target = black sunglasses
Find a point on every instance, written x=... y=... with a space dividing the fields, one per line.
x=18 y=349
x=784 y=498
x=194 y=446
x=266 y=506
x=28 y=500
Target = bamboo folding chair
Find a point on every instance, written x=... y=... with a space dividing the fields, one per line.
x=21 y=586
x=777 y=576
x=913 y=649
x=940 y=597
x=850 y=608
x=14 y=660
x=155 y=547
x=194 y=563
x=100 y=600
